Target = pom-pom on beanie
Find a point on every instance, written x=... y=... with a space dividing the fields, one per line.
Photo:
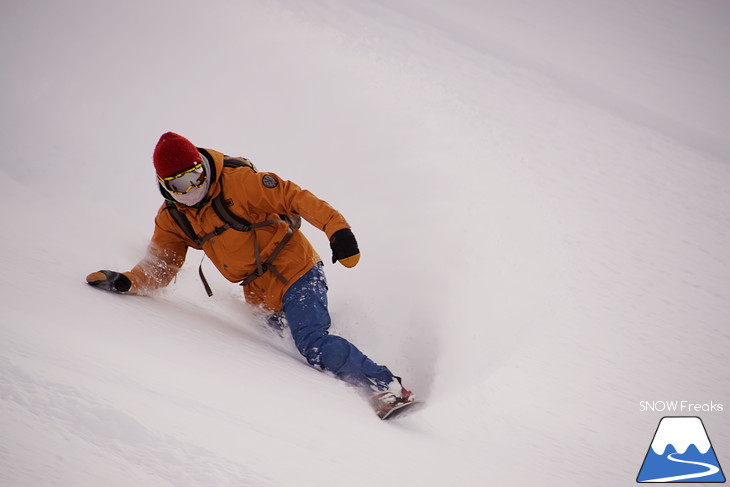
x=174 y=154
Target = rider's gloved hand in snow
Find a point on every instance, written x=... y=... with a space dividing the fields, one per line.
x=115 y=282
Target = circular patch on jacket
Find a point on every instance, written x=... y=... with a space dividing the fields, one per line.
x=269 y=181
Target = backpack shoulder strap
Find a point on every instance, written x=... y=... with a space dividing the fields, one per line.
x=221 y=207
x=182 y=222
x=227 y=216
x=229 y=161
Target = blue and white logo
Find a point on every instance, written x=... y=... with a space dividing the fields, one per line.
x=681 y=452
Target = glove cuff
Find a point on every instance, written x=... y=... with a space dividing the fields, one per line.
x=350 y=262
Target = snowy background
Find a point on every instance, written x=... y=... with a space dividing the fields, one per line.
x=541 y=192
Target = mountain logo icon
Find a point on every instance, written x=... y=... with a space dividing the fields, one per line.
x=681 y=452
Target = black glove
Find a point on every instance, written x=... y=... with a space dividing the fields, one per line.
x=344 y=248
x=109 y=281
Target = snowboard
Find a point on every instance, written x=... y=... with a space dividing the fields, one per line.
x=398 y=409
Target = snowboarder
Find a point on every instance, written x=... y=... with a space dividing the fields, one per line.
x=274 y=262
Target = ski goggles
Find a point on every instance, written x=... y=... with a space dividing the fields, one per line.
x=183 y=182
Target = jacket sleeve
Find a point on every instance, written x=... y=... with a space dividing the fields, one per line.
x=268 y=192
x=164 y=258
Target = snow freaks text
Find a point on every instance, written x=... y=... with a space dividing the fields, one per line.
x=681 y=407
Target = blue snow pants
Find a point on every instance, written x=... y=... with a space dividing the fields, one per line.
x=305 y=310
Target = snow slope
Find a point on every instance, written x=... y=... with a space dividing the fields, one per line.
x=544 y=238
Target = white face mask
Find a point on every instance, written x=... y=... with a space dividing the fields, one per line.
x=192 y=197
x=195 y=195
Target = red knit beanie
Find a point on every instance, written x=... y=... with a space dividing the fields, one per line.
x=174 y=154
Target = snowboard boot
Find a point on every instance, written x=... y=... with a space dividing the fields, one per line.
x=386 y=402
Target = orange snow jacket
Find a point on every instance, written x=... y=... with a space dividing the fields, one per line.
x=256 y=197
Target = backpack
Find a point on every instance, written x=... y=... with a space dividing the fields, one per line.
x=235 y=222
